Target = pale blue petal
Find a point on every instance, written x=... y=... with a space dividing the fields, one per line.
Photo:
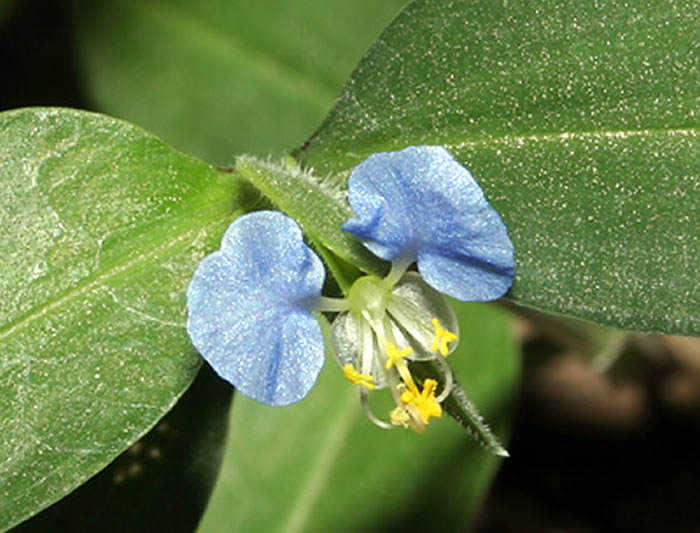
x=465 y=278
x=249 y=307
x=421 y=204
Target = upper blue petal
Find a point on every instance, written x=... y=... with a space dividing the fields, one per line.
x=421 y=204
x=249 y=309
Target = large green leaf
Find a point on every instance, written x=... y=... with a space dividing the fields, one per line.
x=217 y=77
x=102 y=226
x=320 y=465
x=580 y=120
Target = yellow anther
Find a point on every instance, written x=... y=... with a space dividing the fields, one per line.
x=424 y=402
x=355 y=377
x=394 y=355
x=442 y=338
x=400 y=417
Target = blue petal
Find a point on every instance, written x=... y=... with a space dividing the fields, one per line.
x=420 y=204
x=249 y=307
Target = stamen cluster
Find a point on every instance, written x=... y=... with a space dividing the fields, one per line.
x=388 y=322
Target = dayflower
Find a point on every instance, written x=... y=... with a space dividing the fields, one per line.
x=251 y=304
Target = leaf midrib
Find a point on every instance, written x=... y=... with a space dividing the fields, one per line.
x=87 y=284
x=565 y=135
x=550 y=136
x=340 y=172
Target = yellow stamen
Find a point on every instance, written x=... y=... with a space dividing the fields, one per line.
x=357 y=378
x=442 y=338
x=424 y=402
x=399 y=417
x=394 y=355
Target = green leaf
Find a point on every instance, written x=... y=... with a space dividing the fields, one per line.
x=216 y=77
x=320 y=465
x=580 y=121
x=102 y=226
x=145 y=487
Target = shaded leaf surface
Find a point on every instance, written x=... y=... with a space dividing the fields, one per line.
x=320 y=465
x=163 y=481
x=5 y=6
x=102 y=226
x=580 y=120
x=216 y=77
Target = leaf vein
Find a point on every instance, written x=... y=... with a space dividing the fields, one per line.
x=91 y=283
x=567 y=135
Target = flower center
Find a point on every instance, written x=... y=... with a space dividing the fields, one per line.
x=389 y=322
x=368 y=297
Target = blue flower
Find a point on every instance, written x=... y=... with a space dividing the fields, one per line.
x=250 y=309
x=251 y=303
x=419 y=204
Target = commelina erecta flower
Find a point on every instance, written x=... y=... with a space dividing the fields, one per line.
x=252 y=304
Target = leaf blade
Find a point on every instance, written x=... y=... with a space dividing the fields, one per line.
x=99 y=244
x=573 y=117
